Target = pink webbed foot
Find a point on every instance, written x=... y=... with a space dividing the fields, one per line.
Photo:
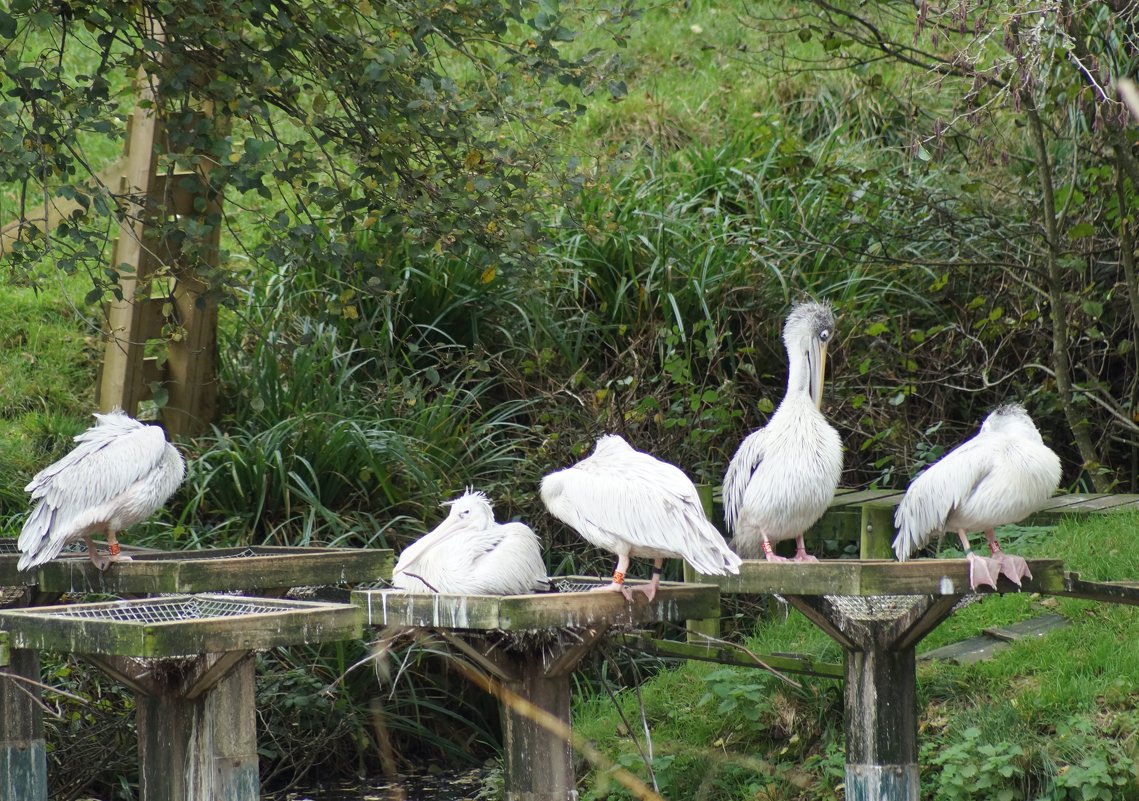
x=648 y=590
x=980 y=571
x=1012 y=567
x=803 y=556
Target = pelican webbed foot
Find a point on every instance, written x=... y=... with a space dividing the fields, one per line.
x=980 y=571
x=1015 y=568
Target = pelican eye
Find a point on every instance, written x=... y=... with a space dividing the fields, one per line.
x=824 y=335
x=465 y=513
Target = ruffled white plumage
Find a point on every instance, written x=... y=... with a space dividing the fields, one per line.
x=997 y=477
x=469 y=553
x=783 y=477
x=631 y=503
x=118 y=474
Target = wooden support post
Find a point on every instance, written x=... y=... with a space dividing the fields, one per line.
x=23 y=754
x=881 y=725
x=539 y=762
x=535 y=709
x=197 y=742
x=161 y=193
x=880 y=691
x=877 y=531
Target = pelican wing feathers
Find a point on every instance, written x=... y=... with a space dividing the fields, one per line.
x=118 y=474
x=623 y=500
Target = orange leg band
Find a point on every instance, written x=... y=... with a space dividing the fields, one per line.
x=618 y=577
x=115 y=549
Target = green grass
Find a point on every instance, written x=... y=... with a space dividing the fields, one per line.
x=48 y=353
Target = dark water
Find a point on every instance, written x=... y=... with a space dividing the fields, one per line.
x=481 y=784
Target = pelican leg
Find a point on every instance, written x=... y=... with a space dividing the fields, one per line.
x=97 y=558
x=650 y=589
x=980 y=569
x=618 y=583
x=1012 y=566
x=801 y=554
x=769 y=552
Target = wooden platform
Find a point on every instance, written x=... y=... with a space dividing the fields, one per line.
x=674 y=601
x=10 y=555
x=253 y=568
x=182 y=625
x=849 y=577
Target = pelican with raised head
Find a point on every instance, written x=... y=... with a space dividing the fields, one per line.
x=470 y=554
x=120 y=472
x=784 y=475
x=633 y=504
x=999 y=476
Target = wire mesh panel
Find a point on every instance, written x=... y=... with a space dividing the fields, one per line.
x=194 y=608
x=578 y=585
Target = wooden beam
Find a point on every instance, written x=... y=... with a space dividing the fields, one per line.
x=1116 y=592
x=726 y=655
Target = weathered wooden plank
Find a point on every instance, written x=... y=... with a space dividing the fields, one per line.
x=23 y=753
x=726 y=655
x=985 y=645
x=966 y=652
x=254 y=568
x=1027 y=629
x=128 y=628
x=859 y=497
x=862 y=577
x=674 y=602
x=1104 y=502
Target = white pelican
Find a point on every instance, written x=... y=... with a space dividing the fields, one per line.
x=1002 y=474
x=633 y=504
x=469 y=553
x=784 y=475
x=120 y=472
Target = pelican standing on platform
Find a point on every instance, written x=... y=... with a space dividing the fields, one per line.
x=633 y=504
x=469 y=553
x=784 y=475
x=1000 y=476
x=120 y=472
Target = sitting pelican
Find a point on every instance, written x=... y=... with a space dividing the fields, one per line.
x=469 y=553
x=633 y=504
x=784 y=475
x=1004 y=473
x=120 y=472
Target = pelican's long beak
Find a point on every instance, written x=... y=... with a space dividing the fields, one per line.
x=817 y=369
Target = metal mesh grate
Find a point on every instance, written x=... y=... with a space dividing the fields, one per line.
x=172 y=610
x=248 y=552
x=877 y=607
x=8 y=545
x=565 y=585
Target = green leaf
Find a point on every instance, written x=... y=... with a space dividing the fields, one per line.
x=1081 y=230
x=7 y=25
